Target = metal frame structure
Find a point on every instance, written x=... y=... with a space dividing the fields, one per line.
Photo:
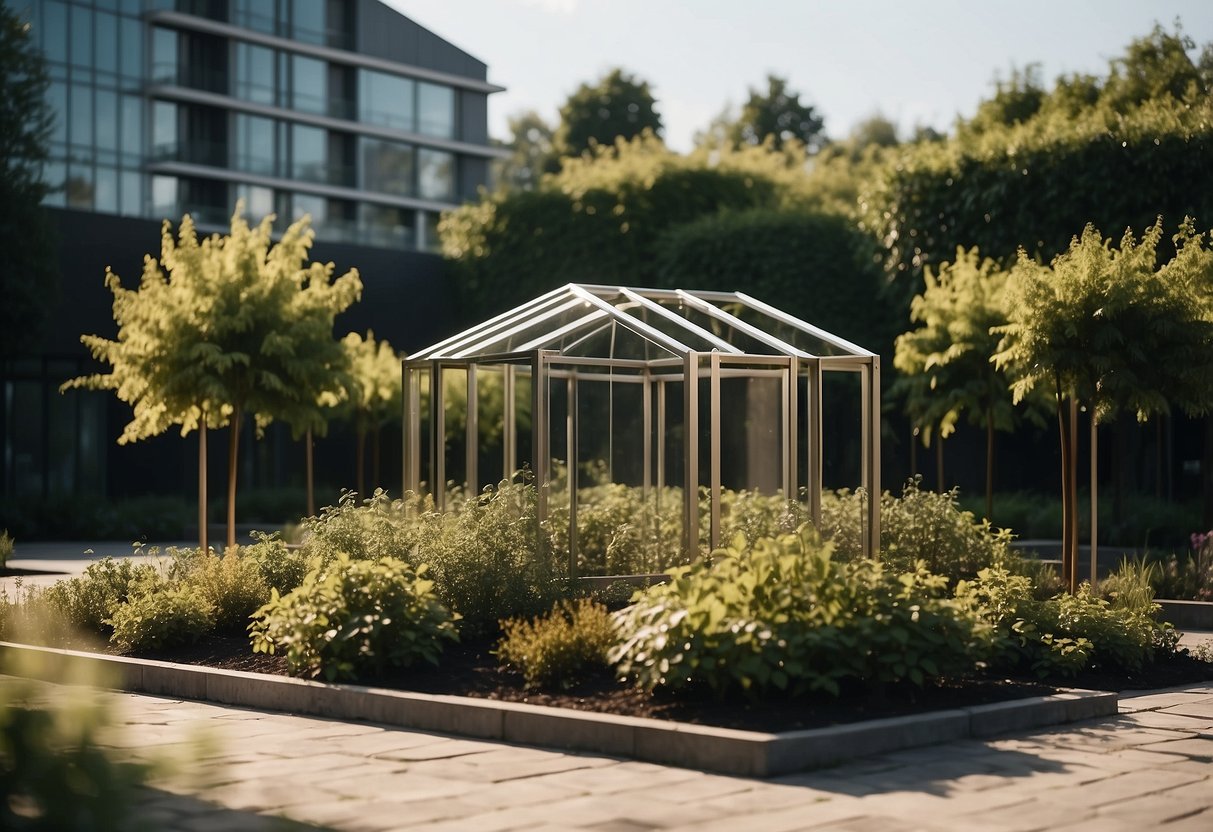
x=654 y=338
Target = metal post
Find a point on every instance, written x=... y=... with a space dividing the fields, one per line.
x=410 y=429
x=1094 y=499
x=791 y=419
x=509 y=427
x=471 y=451
x=873 y=475
x=438 y=444
x=570 y=434
x=540 y=459
x=813 y=449
x=714 y=459
x=690 y=486
x=646 y=417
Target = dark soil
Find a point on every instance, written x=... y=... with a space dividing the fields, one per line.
x=470 y=669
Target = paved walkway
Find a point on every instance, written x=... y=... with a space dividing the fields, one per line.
x=1150 y=767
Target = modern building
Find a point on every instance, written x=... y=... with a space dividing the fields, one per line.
x=344 y=110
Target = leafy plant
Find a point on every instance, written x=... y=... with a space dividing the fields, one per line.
x=6 y=548
x=234 y=587
x=88 y=602
x=786 y=615
x=162 y=616
x=279 y=566
x=351 y=618
x=558 y=648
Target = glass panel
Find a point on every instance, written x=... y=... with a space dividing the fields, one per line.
x=436 y=174
x=435 y=110
x=164 y=129
x=131 y=54
x=307 y=21
x=132 y=196
x=385 y=99
x=80 y=187
x=164 y=56
x=257 y=15
x=454 y=399
x=92 y=441
x=430 y=241
x=24 y=442
x=81 y=132
x=255 y=74
x=107 y=42
x=258 y=201
x=132 y=125
x=54 y=174
x=82 y=36
x=54 y=31
x=255 y=145
x=164 y=197
x=386 y=225
x=387 y=166
x=720 y=329
x=309 y=204
x=56 y=97
x=106 y=196
x=107 y=120
x=785 y=332
x=308 y=85
x=308 y=153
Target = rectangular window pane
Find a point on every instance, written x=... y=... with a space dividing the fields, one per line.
x=164 y=197
x=56 y=97
x=54 y=174
x=255 y=145
x=81 y=132
x=435 y=110
x=429 y=232
x=80 y=186
x=436 y=174
x=82 y=36
x=107 y=120
x=307 y=19
x=131 y=53
x=255 y=73
x=132 y=126
x=106 y=191
x=386 y=99
x=54 y=31
x=387 y=167
x=308 y=85
x=308 y=153
x=164 y=56
x=313 y=206
x=258 y=201
x=164 y=129
x=385 y=225
x=132 y=193
x=107 y=42
x=257 y=15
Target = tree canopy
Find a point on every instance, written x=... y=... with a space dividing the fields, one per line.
x=618 y=106
x=776 y=115
x=532 y=153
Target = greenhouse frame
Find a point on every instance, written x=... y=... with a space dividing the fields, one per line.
x=586 y=386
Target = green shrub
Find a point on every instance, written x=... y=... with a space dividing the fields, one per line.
x=351 y=617
x=917 y=526
x=160 y=615
x=788 y=616
x=87 y=602
x=280 y=566
x=560 y=647
x=232 y=585
x=6 y=548
x=1131 y=586
x=369 y=529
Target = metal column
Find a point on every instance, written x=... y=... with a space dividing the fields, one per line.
x=471 y=453
x=690 y=486
x=714 y=458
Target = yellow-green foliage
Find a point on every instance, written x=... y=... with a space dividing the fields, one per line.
x=233 y=585
x=6 y=548
x=374 y=399
x=89 y=601
x=162 y=615
x=558 y=648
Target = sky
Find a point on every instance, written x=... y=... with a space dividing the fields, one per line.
x=917 y=63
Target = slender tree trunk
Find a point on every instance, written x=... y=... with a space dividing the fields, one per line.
x=1094 y=499
x=375 y=483
x=1073 y=537
x=1067 y=518
x=939 y=483
x=360 y=465
x=311 y=477
x=202 y=530
x=233 y=448
x=989 y=463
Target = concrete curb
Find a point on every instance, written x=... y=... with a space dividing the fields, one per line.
x=1193 y=615
x=722 y=750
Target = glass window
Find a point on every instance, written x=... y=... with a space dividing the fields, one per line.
x=164 y=128
x=258 y=201
x=79 y=186
x=56 y=97
x=386 y=225
x=307 y=20
x=54 y=31
x=387 y=166
x=107 y=40
x=436 y=174
x=308 y=153
x=82 y=36
x=131 y=57
x=309 y=204
x=385 y=99
x=164 y=56
x=309 y=91
x=164 y=196
x=255 y=145
x=132 y=125
x=435 y=110
x=54 y=174
x=255 y=73
x=81 y=124
x=132 y=193
x=105 y=197
x=251 y=14
x=429 y=232
x=107 y=120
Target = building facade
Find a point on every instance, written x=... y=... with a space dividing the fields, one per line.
x=344 y=110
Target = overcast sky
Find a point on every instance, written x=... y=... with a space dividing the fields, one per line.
x=918 y=63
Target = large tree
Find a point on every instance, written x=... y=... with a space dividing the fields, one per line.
x=219 y=330
x=1104 y=329
x=618 y=106
x=777 y=115
x=27 y=281
x=532 y=153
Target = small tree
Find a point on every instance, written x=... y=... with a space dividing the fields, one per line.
x=776 y=115
x=947 y=360
x=1103 y=328
x=375 y=396
x=218 y=330
x=618 y=106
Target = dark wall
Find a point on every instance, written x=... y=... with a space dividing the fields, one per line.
x=385 y=33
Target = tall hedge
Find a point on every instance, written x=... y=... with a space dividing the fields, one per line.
x=814 y=265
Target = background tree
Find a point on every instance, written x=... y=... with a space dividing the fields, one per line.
x=946 y=361
x=777 y=114
x=619 y=106
x=28 y=279
x=532 y=153
x=1105 y=329
x=238 y=320
x=375 y=397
